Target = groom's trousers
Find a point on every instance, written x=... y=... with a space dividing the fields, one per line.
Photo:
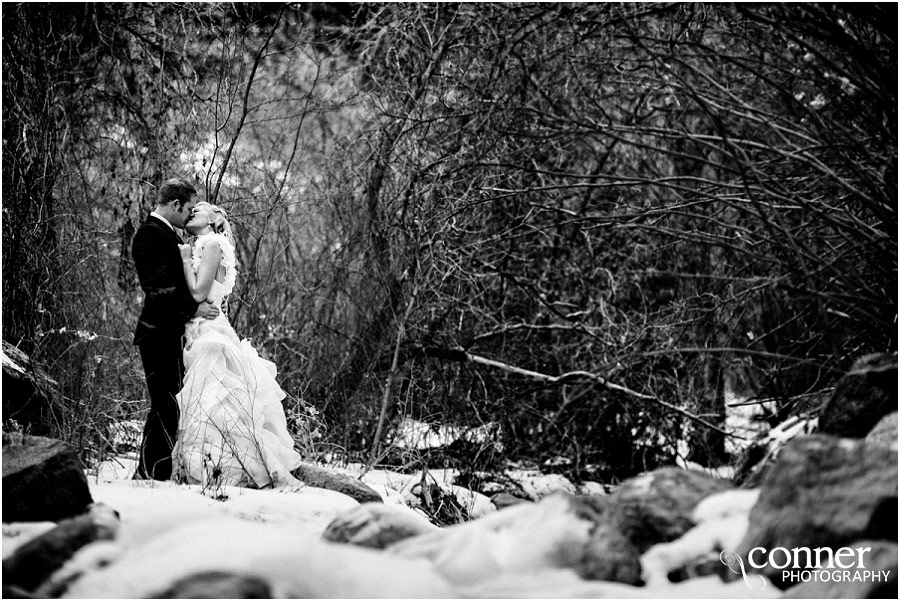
x=164 y=370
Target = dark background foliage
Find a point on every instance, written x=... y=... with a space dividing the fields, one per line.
x=585 y=227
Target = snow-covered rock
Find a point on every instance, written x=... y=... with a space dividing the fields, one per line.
x=658 y=506
x=518 y=539
x=32 y=564
x=885 y=432
x=537 y=485
x=824 y=491
x=287 y=558
x=721 y=520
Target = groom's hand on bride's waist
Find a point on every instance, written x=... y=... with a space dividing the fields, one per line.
x=207 y=310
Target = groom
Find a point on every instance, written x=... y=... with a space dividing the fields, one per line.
x=168 y=306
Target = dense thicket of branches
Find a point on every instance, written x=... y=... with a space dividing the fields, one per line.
x=582 y=224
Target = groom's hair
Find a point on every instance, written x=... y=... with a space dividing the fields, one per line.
x=176 y=189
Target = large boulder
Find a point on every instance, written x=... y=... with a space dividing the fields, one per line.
x=322 y=478
x=31 y=564
x=824 y=492
x=658 y=506
x=885 y=432
x=861 y=397
x=376 y=525
x=43 y=480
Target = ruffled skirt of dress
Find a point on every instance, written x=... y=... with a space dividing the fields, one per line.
x=232 y=429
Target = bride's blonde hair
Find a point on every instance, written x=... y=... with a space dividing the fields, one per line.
x=219 y=223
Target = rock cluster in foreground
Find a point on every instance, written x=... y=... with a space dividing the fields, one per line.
x=666 y=533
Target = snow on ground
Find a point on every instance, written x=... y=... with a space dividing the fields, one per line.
x=311 y=509
x=112 y=485
x=147 y=508
x=315 y=506
x=390 y=484
x=169 y=531
x=414 y=434
x=538 y=485
x=292 y=562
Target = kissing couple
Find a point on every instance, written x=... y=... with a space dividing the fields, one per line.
x=215 y=408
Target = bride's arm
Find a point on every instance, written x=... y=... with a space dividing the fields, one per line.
x=200 y=282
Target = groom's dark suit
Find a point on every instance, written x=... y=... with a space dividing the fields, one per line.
x=168 y=306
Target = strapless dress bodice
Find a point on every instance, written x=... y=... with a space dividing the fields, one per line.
x=216 y=293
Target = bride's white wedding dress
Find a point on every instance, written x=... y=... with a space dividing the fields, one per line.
x=232 y=429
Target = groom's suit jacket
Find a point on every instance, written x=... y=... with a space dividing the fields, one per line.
x=168 y=304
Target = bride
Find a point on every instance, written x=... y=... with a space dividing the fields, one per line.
x=232 y=429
